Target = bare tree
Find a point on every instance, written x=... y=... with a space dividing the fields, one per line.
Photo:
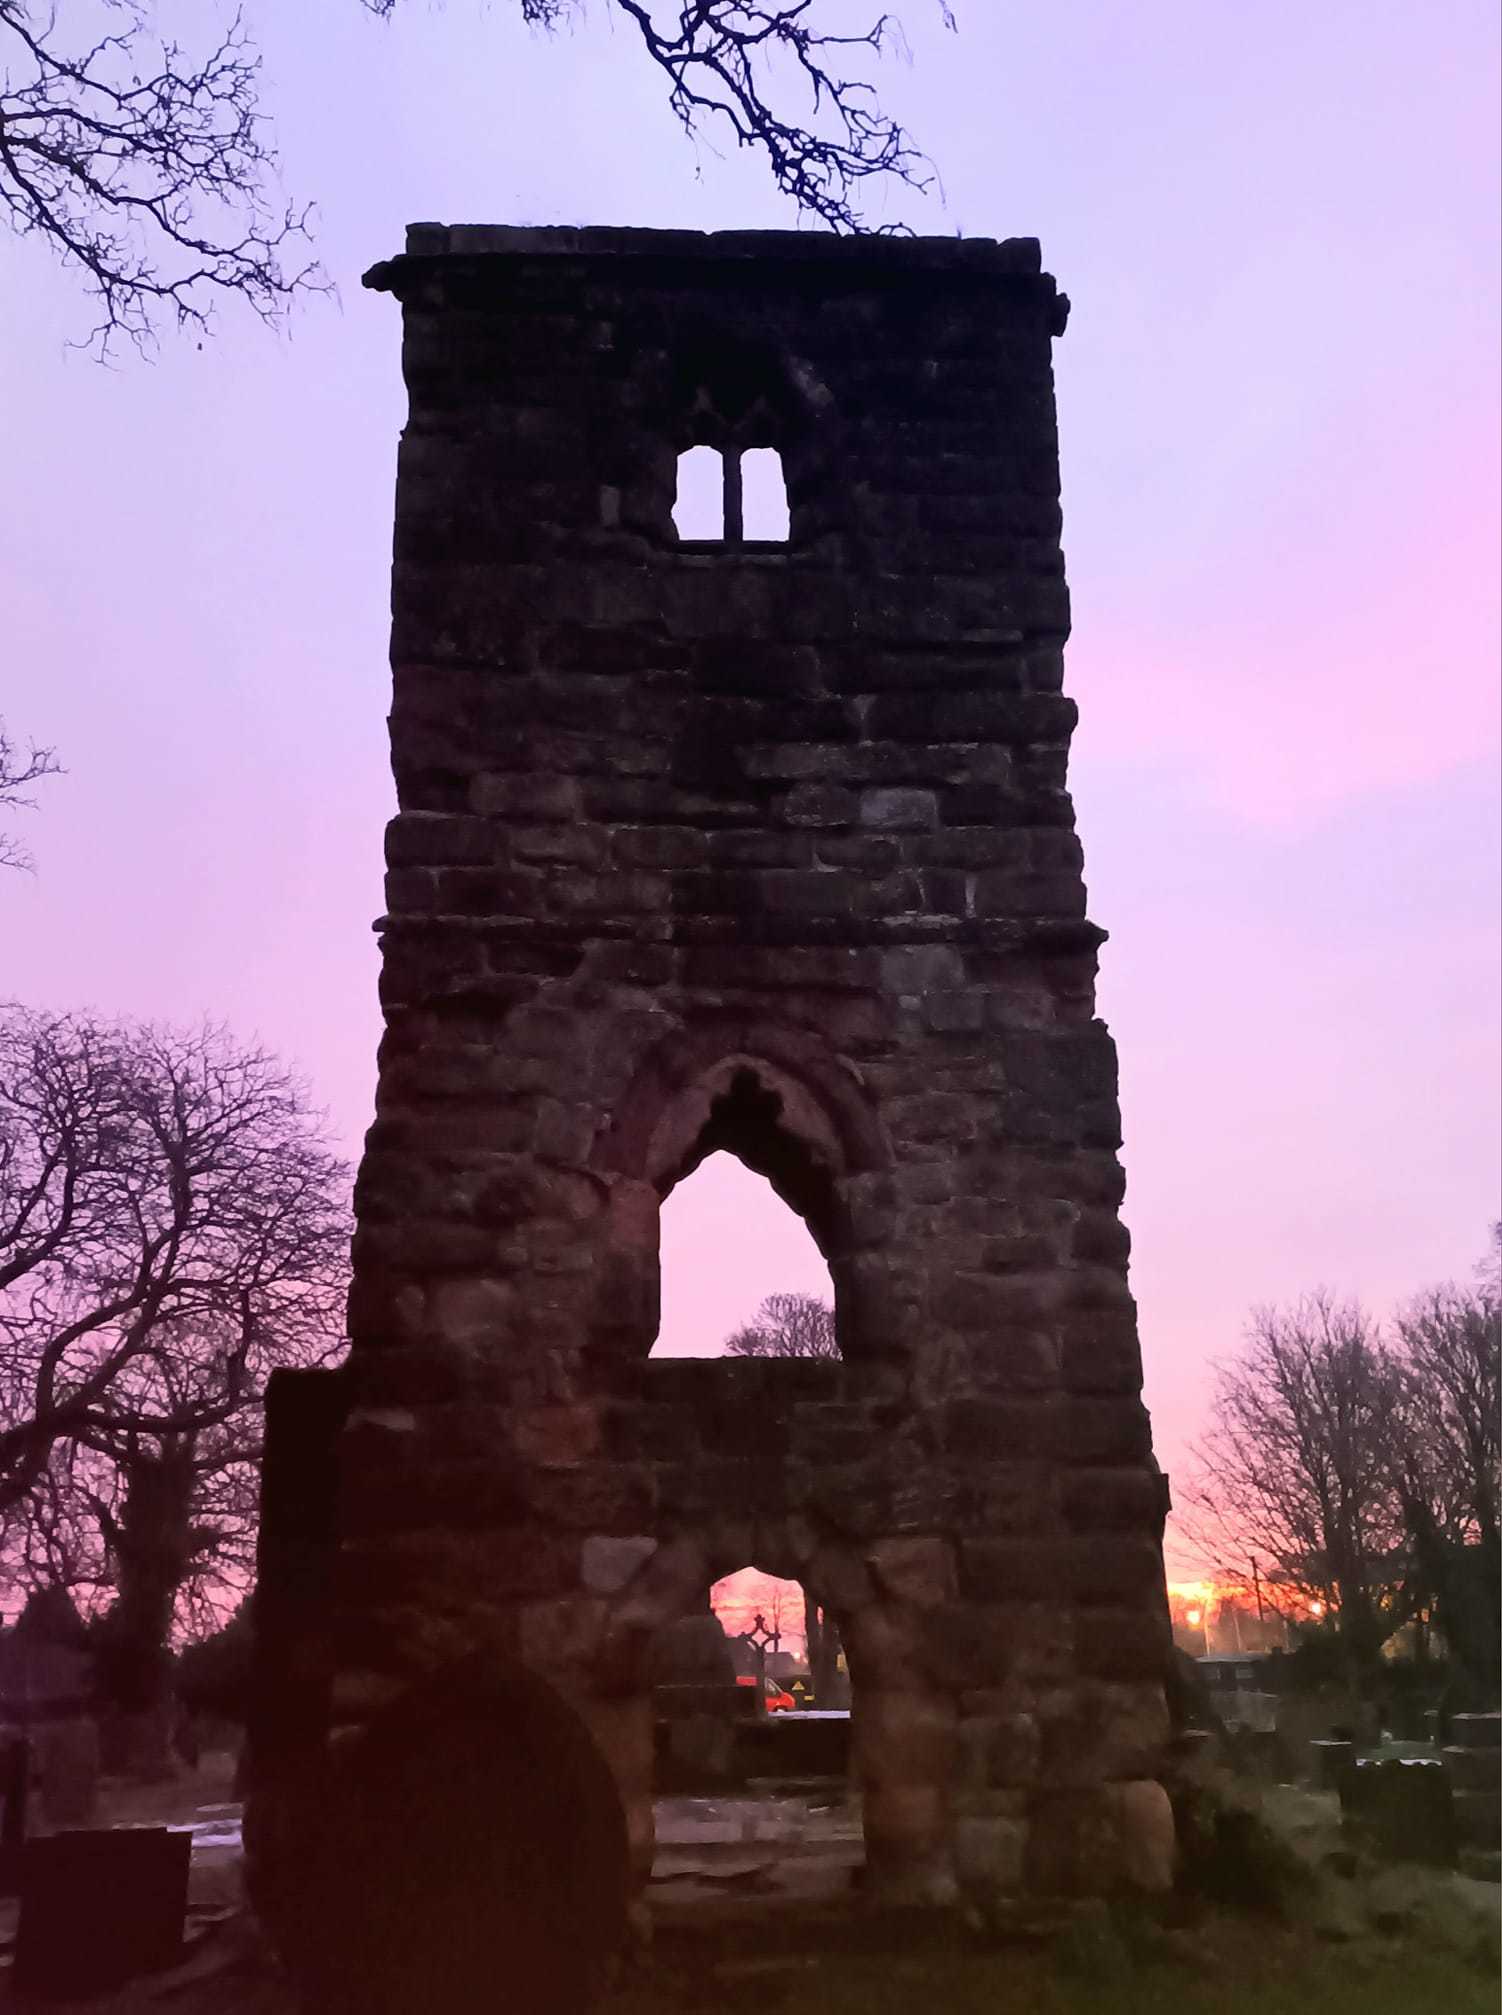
x=149 y=171
x=821 y=1635
x=1446 y=1457
x=732 y=66
x=773 y=1606
x=175 y=1450
x=1293 y=1469
x=18 y=773
x=787 y=1325
x=146 y=168
x=172 y=1225
x=152 y=1534
x=50 y=1541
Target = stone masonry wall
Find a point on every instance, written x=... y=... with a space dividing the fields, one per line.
x=764 y=848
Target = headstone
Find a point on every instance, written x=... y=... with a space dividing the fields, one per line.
x=15 y=1785
x=97 y=1908
x=696 y=1750
x=1334 y=1761
x=1473 y=1765
x=67 y=1771
x=1406 y=1805
x=1476 y=1731
x=482 y=1816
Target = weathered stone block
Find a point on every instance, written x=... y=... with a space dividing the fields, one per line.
x=1101 y=1431
x=920 y=1571
x=988 y=1854
x=1145 y=1829
x=969 y=1645
x=1113 y=1500
x=998 y=1750
x=898 y=810
x=1013 y=1570
x=1120 y=1643
x=1105 y=1567
x=820 y=804
x=1100 y=1352
x=997 y=1430
x=606 y=1565
x=903 y=1737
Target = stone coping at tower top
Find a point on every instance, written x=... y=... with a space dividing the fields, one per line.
x=977 y=258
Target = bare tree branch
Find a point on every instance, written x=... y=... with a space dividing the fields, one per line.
x=171 y=1223
x=18 y=773
x=787 y=1325
x=1292 y=1470
x=1445 y=1462
x=732 y=66
x=172 y=1226
x=147 y=169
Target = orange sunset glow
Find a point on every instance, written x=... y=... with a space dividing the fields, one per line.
x=740 y=1598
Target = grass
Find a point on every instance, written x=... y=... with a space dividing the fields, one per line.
x=1387 y=1941
x=1284 y=1917
x=1275 y=1974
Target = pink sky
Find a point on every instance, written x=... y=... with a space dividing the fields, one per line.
x=1279 y=414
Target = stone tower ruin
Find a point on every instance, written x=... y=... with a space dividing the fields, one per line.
x=764 y=846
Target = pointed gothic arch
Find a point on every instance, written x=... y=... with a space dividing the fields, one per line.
x=788 y=1110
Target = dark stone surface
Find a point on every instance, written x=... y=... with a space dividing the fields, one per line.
x=468 y=1854
x=98 y=1908
x=765 y=849
x=1407 y=1808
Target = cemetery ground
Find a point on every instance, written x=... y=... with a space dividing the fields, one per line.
x=752 y=1916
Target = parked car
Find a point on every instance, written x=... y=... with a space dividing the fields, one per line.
x=775 y=1699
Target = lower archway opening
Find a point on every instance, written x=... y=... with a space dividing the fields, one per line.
x=753 y=1793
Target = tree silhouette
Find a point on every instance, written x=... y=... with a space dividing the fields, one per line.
x=725 y=61
x=1446 y=1465
x=1365 y=1464
x=786 y=1325
x=1293 y=1468
x=149 y=171
x=18 y=773
x=172 y=1225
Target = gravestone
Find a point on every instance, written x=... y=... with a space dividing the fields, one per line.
x=99 y=1907
x=467 y=1853
x=1473 y=1766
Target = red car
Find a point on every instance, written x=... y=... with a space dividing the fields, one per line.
x=774 y=1699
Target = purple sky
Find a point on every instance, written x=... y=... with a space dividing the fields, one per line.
x=1279 y=410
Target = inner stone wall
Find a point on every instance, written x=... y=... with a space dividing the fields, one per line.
x=768 y=849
